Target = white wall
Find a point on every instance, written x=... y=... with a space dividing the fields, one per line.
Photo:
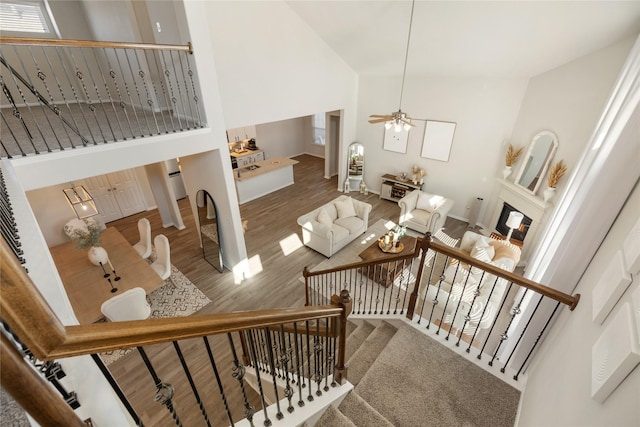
x=284 y=138
x=272 y=67
x=568 y=101
x=484 y=110
x=558 y=391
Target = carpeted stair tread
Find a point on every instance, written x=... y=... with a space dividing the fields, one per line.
x=351 y=326
x=414 y=370
x=361 y=361
x=332 y=417
x=357 y=337
x=361 y=413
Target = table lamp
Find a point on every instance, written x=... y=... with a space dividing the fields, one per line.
x=514 y=221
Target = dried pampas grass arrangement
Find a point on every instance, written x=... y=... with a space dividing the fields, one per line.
x=556 y=172
x=512 y=155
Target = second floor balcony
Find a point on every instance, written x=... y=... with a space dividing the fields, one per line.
x=65 y=94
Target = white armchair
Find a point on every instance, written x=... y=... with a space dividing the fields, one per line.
x=424 y=212
x=332 y=226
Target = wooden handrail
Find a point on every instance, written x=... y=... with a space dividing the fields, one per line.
x=24 y=41
x=30 y=318
x=570 y=300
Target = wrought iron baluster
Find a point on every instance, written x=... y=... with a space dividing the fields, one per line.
x=180 y=96
x=317 y=349
x=74 y=127
x=142 y=75
x=252 y=346
x=17 y=142
x=194 y=389
x=327 y=353
x=14 y=107
x=174 y=100
x=187 y=96
x=298 y=353
x=80 y=75
x=153 y=84
x=43 y=78
x=223 y=395
x=126 y=87
x=516 y=310
x=524 y=330
x=309 y=350
x=288 y=391
x=164 y=391
x=106 y=88
x=272 y=363
x=535 y=344
x=135 y=86
x=195 y=92
x=426 y=288
x=95 y=88
x=114 y=77
x=238 y=372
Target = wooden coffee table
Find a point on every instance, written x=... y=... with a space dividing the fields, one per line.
x=386 y=273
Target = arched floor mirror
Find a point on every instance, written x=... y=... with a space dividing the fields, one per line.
x=209 y=229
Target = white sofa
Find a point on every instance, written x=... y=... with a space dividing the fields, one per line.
x=332 y=226
x=424 y=212
x=462 y=283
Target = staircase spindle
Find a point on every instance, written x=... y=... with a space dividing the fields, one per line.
x=216 y=373
x=272 y=363
x=238 y=372
x=252 y=348
x=288 y=391
x=299 y=377
x=194 y=389
x=164 y=391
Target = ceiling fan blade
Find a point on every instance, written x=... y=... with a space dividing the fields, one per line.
x=378 y=120
x=380 y=115
x=407 y=122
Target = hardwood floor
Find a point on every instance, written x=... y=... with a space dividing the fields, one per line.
x=271 y=225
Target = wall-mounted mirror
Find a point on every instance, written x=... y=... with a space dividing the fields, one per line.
x=209 y=231
x=355 y=166
x=536 y=161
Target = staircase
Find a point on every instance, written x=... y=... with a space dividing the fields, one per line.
x=391 y=366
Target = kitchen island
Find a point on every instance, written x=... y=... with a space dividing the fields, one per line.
x=264 y=177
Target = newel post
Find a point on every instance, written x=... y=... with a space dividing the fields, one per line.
x=413 y=298
x=344 y=301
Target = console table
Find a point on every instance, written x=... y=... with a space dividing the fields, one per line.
x=394 y=188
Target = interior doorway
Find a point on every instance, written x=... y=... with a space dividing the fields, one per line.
x=332 y=147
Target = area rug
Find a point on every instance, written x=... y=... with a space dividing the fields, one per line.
x=177 y=299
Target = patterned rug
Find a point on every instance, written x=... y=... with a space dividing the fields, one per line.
x=177 y=299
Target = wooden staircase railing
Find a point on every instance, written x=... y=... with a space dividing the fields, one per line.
x=30 y=318
x=508 y=330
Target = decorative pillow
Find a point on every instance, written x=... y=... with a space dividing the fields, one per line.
x=345 y=208
x=425 y=202
x=488 y=250
x=324 y=217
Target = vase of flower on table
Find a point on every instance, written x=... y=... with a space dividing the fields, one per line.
x=87 y=234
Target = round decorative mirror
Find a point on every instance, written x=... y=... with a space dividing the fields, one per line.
x=209 y=233
x=355 y=166
x=536 y=161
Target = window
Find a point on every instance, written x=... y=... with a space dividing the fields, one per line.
x=318 y=124
x=24 y=16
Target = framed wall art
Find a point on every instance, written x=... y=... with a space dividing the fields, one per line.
x=438 y=139
x=395 y=141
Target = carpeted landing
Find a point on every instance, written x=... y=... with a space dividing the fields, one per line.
x=403 y=378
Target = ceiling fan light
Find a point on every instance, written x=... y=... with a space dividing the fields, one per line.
x=407 y=126
x=397 y=127
x=388 y=125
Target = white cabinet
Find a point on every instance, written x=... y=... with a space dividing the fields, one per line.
x=249 y=159
x=240 y=134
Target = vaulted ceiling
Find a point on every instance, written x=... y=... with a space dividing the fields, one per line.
x=506 y=39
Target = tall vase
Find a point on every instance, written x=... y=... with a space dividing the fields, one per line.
x=506 y=172
x=548 y=193
x=97 y=255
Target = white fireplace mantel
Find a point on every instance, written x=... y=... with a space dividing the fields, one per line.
x=529 y=204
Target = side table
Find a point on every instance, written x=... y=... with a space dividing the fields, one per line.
x=498 y=236
x=385 y=274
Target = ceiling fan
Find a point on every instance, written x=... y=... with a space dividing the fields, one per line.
x=398 y=119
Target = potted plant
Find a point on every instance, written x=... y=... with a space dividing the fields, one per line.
x=555 y=173
x=87 y=234
x=509 y=159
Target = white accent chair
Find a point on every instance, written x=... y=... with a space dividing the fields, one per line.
x=332 y=226
x=129 y=305
x=424 y=212
x=143 y=247
x=162 y=264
